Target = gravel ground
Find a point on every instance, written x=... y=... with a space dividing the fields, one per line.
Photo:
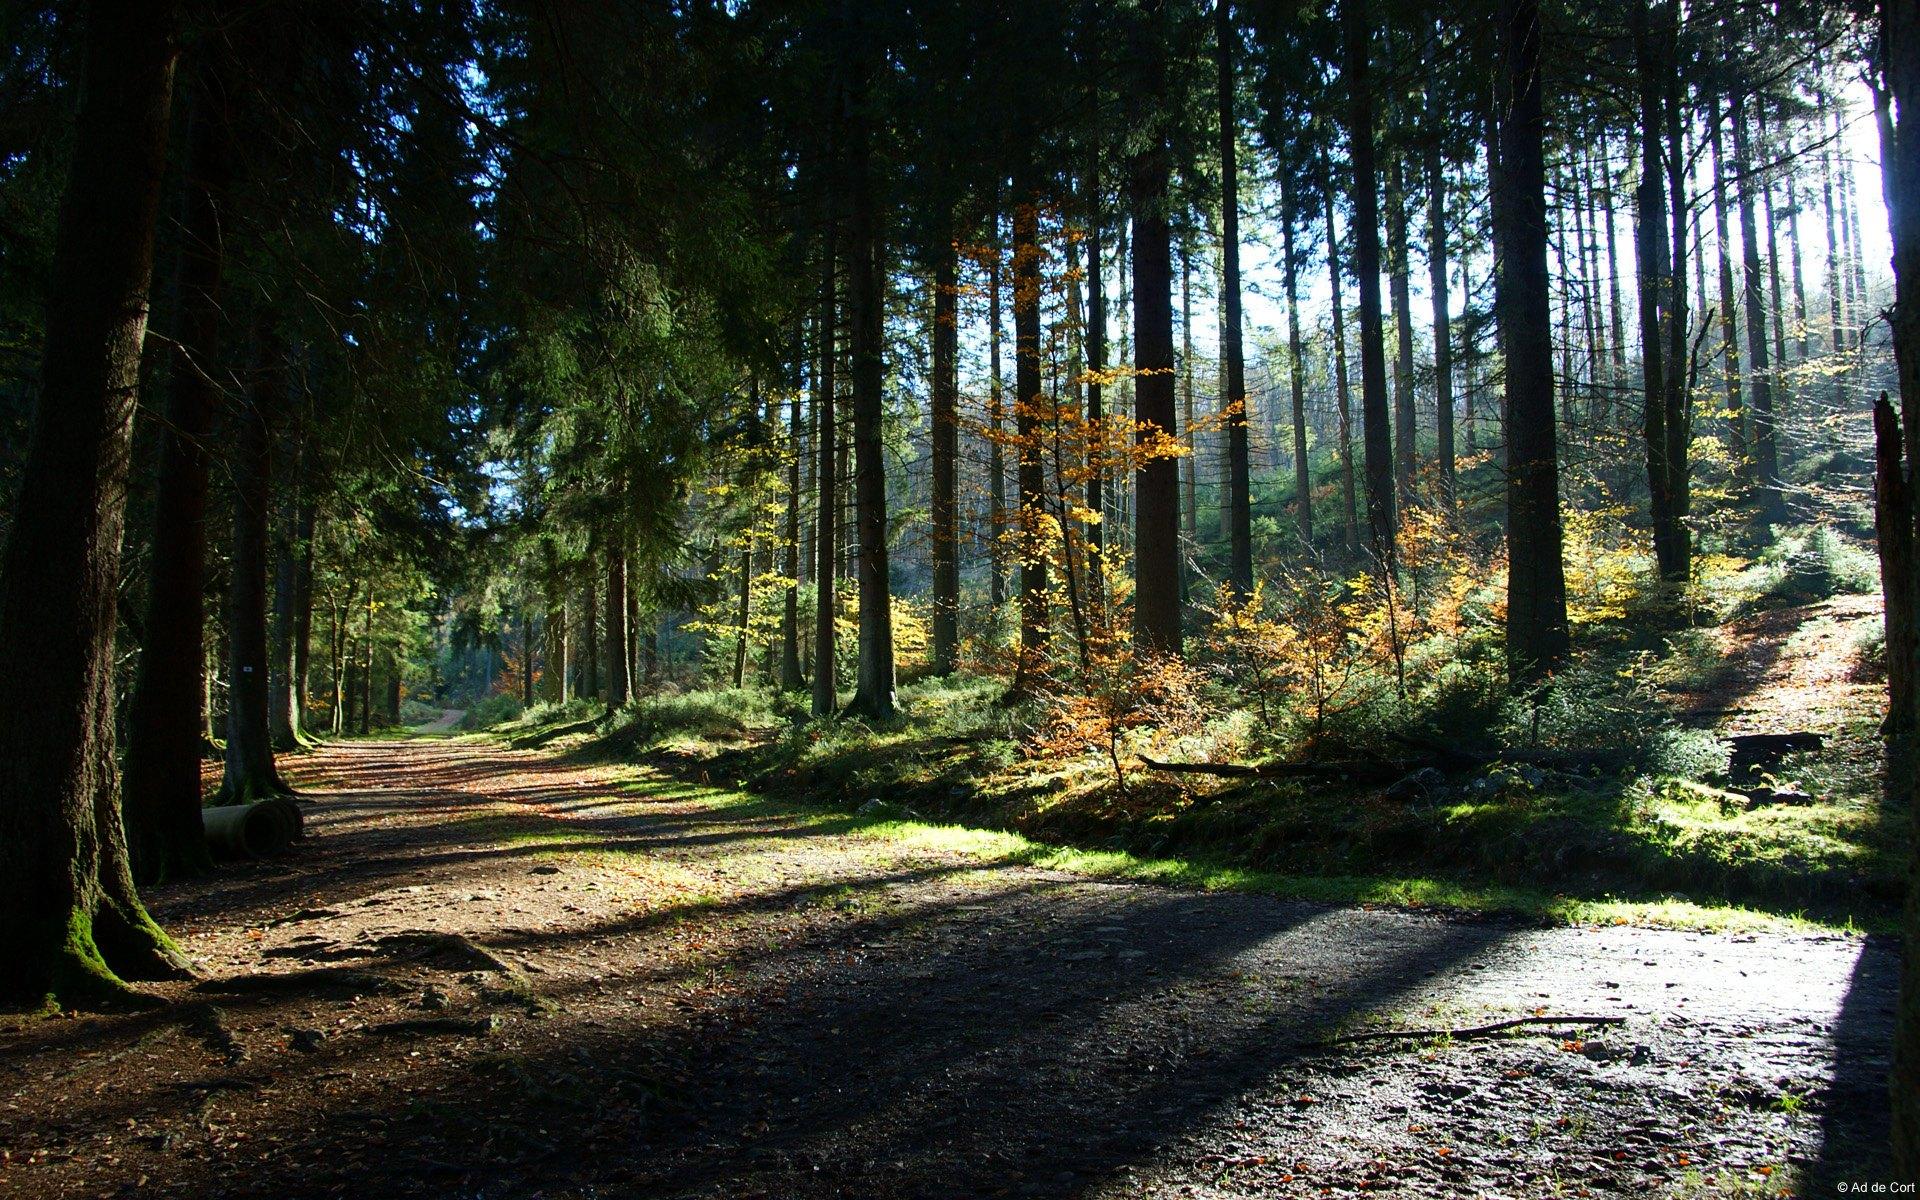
x=491 y=973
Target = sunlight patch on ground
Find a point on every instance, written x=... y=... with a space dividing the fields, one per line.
x=1000 y=848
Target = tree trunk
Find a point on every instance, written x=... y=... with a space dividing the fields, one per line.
x=1536 y=585
x=1374 y=415
x=557 y=677
x=590 y=633
x=632 y=628
x=1678 y=357
x=619 y=661
x=71 y=924
x=1096 y=394
x=337 y=662
x=1557 y=245
x=1296 y=372
x=1121 y=514
x=826 y=542
x=1592 y=330
x=1894 y=523
x=1729 y=325
x=744 y=622
x=166 y=715
x=1836 y=316
x=302 y=606
x=1442 y=327
x=1592 y=334
x=1777 y=309
x=866 y=302
x=1900 y=45
x=1189 y=464
x=792 y=678
x=394 y=682
x=1030 y=475
x=1655 y=282
x=1350 y=507
x=1156 y=596
x=1852 y=299
x=1616 y=324
x=366 y=668
x=1802 y=348
x=283 y=710
x=1765 y=452
x=1233 y=365
x=946 y=452
x=250 y=773
x=1400 y=295
x=1856 y=251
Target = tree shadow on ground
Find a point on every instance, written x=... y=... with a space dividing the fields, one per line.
x=1025 y=1039
x=1853 y=1106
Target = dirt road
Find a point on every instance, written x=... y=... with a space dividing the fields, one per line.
x=446 y=722
x=493 y=973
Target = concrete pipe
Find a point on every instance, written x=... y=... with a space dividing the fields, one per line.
x=247 y=830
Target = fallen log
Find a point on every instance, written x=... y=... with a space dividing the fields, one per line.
x=1472 y=1031
x=1365 y=771
x=251 y=830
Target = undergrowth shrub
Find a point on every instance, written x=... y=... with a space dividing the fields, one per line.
x=489 y=711
x=1129 y=704
x=547 y=712
x=1804 y=566
x=415 y=712
x=717 y=714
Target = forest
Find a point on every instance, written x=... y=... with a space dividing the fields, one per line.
x=1097 y=598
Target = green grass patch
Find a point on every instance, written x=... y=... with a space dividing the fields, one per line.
x=954 y=773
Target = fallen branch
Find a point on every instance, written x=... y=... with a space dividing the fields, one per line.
x=1333 y=770
x=1474 y=1030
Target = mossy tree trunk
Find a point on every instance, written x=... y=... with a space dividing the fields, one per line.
x=71 y=925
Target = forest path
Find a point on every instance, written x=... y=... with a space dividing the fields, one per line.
x=446 y=722
x=494 y=973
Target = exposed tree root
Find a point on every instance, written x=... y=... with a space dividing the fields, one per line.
x=204 y=1021
x=319 y=979
x=428 y=1026
x=464 y=950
